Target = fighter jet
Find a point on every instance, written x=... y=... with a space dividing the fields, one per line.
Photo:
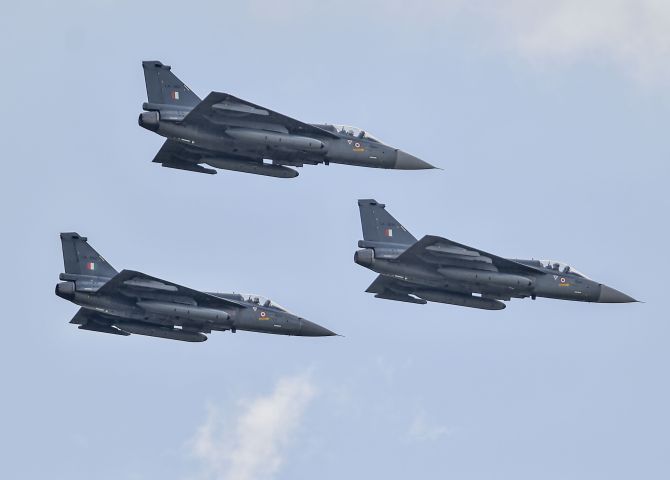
x=129 y=302
x=435 y=269
x=226 y=132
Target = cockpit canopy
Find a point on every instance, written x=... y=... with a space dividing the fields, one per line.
x=560 y=267
x=262 y=301
x=350 y=131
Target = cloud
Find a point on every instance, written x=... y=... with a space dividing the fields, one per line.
x=254 y=446
x=423 y=430
x=631 y=35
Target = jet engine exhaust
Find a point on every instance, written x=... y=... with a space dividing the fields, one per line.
x=149 y=120
x=65 y=290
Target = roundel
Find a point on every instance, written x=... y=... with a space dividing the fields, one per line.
x=262 y=314
x=562 y=279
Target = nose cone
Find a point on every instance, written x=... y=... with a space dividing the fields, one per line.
x=610 y=295
x=310 y=329
x=405 y=161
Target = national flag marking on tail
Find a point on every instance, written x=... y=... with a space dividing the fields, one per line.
x=388 y=232
x=175 y=95
x=90 y=266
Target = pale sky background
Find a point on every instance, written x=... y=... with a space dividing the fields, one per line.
x=550 y=120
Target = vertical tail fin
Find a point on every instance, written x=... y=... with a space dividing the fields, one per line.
x=379 y=226
x=81 y=259
x=164 y=88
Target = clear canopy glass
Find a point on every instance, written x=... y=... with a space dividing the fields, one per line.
x=261 y=301
x=560 y=267
x=353 y=132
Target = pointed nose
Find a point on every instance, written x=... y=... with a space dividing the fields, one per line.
x=610 y=295
x=310 y=329
x=405 y=161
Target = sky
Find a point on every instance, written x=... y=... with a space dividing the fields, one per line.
x=549 y=122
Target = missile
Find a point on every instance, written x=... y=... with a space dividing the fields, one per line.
x=401 y=298
x=276 y=140
x=191 y=167
x=482 y=276
x=161 y=332
x=247 y=166
x=94 y=327
x=461 y=300
x=187 y=312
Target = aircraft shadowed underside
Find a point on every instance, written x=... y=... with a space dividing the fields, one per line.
x=130 y=302
x=226 y=132
x=436 y=269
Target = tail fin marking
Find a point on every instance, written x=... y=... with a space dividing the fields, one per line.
x=164 y=88
x=79 y=258
x=379 y=226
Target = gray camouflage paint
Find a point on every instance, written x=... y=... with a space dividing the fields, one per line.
x=131 y=302
x=229 y=133
x=439 y=270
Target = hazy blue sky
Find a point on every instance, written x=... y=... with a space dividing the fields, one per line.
x=550 y=120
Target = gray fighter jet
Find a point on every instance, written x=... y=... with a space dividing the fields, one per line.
x=226 y=132
x=439 y=270
x=134 y=303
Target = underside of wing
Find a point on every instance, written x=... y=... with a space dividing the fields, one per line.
x=183 y=156
x=441 y=252
x=224 y=109
x=96 y=322
x=140 y=286
x=174 y=154
x=393 y=289
x=471 y=277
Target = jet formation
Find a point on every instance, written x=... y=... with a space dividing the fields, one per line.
x=226 y=132
x=130 y=302
x=435 y=269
